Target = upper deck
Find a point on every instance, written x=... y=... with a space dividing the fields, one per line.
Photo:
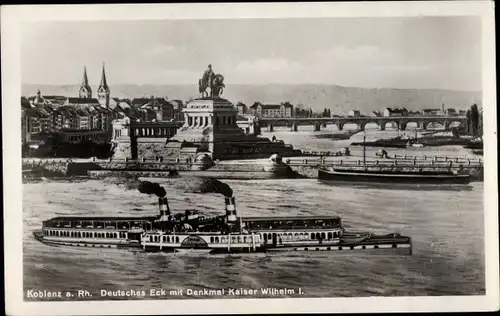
x=100 y=222
x=288 y=222
x=185 y=222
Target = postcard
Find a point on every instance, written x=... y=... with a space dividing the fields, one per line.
x=250 y=158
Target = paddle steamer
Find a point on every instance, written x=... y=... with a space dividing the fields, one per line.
x=194 y=231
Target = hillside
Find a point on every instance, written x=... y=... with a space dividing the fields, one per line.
x=337 y=98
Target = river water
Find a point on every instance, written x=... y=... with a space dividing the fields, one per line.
x=445 y=223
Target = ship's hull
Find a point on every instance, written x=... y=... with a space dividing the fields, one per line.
x=393 y=177
x=351 y=243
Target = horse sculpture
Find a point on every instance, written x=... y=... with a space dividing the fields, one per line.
x=213 y=81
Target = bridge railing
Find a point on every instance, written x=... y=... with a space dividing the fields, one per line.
x=382 y=118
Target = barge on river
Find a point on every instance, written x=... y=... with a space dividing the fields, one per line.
x=408 y=174
x=192 y=231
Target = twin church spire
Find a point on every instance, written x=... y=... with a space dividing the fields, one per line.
x=103 y=91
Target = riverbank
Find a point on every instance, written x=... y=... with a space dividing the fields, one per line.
x=400 y=142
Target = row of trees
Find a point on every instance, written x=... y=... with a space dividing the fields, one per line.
x=299 y=111
x=474 y=125
x=327 y=113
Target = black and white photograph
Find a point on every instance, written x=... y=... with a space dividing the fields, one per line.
x=251 y=157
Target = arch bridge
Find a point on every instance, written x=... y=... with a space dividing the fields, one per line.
x=400 y=121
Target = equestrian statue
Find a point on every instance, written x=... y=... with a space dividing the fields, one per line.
x=213 y=81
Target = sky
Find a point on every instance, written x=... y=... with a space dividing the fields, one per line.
x=409 y=52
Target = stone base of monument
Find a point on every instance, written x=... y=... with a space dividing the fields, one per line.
x=275 y=165
x=202 y=161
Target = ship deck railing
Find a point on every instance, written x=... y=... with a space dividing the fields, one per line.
x=120 y=224
x=413 y=163
x=284 y=227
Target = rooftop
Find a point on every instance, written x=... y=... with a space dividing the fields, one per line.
x=83 y=101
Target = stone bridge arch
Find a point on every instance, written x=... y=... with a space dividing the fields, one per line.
x=315 y=123
x=341 y=123
x=450 y=122
x=362 y=124
x=272 y=123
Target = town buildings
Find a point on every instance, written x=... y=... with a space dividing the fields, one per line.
x=354 y=113
x=153 y=108
x=431 y=112
x=48 y=114
x=86 y=112
x=388 y=112
x=242 y=108
x=284 y=109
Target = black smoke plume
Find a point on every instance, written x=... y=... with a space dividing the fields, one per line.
x=204 y=185
x=148 y=188
x=186 y=184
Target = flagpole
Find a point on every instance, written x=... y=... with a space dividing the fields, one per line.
x=364 y=148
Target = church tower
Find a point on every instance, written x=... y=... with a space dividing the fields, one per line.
x=85 y=90
x=103 y=90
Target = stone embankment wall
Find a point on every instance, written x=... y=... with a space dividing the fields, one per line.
x=238 y=167
x=137 y=166
x=310 y=172
x=56 y=168
x=128 y=174
x=154 y=147
x=122 y=150
x=40 y=168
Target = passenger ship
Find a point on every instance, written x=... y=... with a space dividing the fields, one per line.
x=192 y=231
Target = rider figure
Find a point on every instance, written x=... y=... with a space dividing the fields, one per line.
x=209 y=75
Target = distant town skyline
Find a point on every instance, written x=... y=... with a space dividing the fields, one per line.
x=410 y=52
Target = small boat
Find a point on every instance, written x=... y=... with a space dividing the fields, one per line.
x=474 y=145
x=416 y=145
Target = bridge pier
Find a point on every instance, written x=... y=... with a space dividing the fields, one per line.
x=295 y=127
x=446 y=125
x=270 y=128
x=317 y=127
x=361 y=126
x=402 y=126
x=340 y=126
x=422 y=125
x=381 y=126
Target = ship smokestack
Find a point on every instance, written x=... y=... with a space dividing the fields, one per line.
x=164 y=209
x=231 y=209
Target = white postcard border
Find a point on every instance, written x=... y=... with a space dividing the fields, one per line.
x=13 y=16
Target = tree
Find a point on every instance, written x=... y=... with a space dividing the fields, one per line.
x=474 y=117
x=480 y=125
x=468 y=123
x=297 y=112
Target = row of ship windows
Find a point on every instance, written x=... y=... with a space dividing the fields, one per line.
x=165 y=239
x=265 y=236
x=216 y=240
x=59 y=233
x=295 y=236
